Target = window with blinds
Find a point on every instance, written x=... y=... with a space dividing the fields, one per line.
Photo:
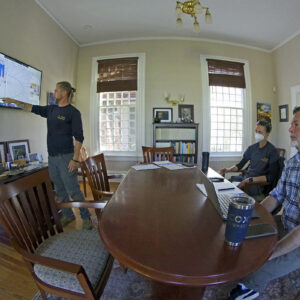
x=227 y=103
x=117 y=97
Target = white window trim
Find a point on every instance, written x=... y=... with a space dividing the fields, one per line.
x=140 y=109
x=206 y=108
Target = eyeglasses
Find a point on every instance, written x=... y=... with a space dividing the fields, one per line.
x=295 y=125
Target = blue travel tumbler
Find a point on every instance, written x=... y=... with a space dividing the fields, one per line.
x=238 y=219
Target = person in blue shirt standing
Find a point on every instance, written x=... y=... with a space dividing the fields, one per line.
x=63 y=123
x=286 y=256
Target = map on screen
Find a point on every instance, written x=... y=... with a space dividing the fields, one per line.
x=19 y=81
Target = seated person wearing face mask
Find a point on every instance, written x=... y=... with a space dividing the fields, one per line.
x=263 y=157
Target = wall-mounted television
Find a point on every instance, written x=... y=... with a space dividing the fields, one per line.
x=19 y=81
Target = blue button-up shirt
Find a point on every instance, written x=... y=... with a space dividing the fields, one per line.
x=287 y=192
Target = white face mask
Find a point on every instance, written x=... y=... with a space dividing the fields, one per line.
x=259 y=137
x=295 y=144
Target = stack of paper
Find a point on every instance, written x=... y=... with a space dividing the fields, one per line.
x=145 y=167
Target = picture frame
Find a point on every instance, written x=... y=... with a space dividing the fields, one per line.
x=3 y=151
x=264 y=112
x=283 y=113
x=164 y=115
x=186 y=113
x=18 y=149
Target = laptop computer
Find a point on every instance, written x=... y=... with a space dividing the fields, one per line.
x=219 y=200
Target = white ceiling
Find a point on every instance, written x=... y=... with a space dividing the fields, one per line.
x=264 y=24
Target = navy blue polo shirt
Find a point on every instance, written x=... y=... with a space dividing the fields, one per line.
x=263 y=161
x=63 y=124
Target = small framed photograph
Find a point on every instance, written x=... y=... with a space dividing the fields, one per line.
x=18 y=149
x=283 y=113
x=186 y=113
x=164 y=115
x=3 y=152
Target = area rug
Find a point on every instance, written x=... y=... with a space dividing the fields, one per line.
x=132 y=286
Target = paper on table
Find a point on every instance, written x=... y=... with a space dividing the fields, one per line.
x=169 y=165
x=227 y=187
x=145 y=167
x=162 y=163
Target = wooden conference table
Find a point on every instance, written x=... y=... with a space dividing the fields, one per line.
x=161 y=226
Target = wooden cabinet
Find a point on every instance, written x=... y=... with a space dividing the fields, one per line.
x=182 y=136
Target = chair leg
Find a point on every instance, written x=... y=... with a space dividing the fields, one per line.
x=123 y=268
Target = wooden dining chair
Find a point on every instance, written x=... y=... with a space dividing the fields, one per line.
x=281 y=152
x=72 y=265
x=83 y=156
x=96 y=172
x=151 y=154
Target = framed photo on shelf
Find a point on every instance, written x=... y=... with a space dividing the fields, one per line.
x=164 y=115
x=18 y=149
x=3 y=152
x=283 y=113
x=186 y=113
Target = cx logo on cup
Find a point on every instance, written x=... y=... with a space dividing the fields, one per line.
x=238 y=219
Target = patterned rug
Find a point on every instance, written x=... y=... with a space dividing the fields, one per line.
x=132 y=286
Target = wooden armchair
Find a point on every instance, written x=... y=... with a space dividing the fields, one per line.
x=96 y=172
x=151 y=154
x=83 y=156
x=268 y=185
x=74 y=264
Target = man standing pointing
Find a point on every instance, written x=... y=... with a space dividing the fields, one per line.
x=63 y=123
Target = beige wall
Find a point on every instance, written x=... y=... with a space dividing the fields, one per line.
x=174 y=66
x=287 y=70
x=27 y=33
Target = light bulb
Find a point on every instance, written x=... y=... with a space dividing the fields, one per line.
x=196 y=27
x=198 y=8
x=179 y=23
x=179 y=12
x=208 y=17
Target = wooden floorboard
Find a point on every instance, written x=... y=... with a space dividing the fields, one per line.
x=16 y=282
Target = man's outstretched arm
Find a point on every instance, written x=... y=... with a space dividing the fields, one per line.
x=23 y=105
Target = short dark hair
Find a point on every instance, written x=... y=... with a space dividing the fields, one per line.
x=266 y=124
x=296 y=109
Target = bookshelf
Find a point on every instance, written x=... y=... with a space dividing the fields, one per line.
x=182 y=136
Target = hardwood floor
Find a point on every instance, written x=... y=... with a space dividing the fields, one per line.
x=16 y=282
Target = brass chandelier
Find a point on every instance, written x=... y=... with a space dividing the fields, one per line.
x=192 y=8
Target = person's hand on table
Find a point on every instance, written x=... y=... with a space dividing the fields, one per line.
x=243 y=183
x=223 y=171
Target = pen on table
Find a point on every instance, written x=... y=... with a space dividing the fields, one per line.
x=226 y=189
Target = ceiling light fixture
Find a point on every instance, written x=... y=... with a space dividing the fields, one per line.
x=192 y=8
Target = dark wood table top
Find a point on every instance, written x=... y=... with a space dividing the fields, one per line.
x=161 y=226
x=25 y=173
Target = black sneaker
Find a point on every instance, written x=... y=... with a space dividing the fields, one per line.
x=239 y=294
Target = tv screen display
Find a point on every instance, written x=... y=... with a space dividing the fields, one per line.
x=19 y=81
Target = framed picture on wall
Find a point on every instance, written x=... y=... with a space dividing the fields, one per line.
x=164 y=115
x=186 y=113
x=283 y=113
x=264 y=112
x=3 y=152
x=18 y=149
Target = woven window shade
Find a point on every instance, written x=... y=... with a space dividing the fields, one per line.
x=226 y=73
x=117 y=75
